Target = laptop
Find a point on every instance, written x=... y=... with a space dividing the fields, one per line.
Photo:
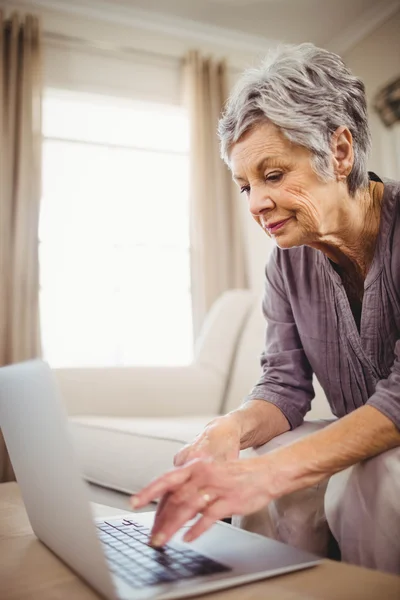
x=113 y=555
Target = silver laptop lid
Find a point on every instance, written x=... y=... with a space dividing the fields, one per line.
x=34 y=426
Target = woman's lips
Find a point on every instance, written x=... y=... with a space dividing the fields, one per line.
x=277 y=225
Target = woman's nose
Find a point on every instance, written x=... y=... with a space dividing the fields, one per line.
x=259 y=202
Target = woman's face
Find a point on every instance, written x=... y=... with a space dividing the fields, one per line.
x=284 y=193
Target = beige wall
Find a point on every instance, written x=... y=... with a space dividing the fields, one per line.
x=376 y=59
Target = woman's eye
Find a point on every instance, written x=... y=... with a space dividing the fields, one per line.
x=276 y=176
x=245 y=189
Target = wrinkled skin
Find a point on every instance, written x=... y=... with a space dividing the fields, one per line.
x=285 y=186
x=220 y=440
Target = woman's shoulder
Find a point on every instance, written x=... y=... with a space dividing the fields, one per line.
x=391 y=194
x=395 y=191
x=292 y=264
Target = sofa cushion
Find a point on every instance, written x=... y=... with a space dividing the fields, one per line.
x=126 y=454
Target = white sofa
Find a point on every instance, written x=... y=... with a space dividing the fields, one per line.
x=127 y=423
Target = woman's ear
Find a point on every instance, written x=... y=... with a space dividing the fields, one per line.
x=342 y=152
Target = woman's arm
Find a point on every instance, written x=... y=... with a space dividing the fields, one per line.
x=358 y=436
x=369 y=430
x=286 y=379
x=245 y=486
x=259 y=421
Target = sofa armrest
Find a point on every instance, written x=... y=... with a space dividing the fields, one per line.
x=141 y=391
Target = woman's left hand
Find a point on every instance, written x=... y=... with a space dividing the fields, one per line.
x=214 y=489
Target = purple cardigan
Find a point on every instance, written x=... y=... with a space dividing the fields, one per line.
x=311 y=329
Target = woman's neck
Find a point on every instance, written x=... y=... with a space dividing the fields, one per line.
x=353 y=249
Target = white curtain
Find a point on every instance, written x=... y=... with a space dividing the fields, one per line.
x=217 y=239
x=20 y=173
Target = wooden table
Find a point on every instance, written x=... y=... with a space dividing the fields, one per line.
x=29 y=571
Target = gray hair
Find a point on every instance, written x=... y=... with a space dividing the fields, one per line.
x=307 y=92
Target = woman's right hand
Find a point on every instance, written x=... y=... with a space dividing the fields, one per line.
x=220 y=441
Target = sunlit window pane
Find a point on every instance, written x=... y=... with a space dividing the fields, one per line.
x=122 y=196
x=114 y=235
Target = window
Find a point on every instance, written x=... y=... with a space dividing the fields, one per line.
x=114 y=233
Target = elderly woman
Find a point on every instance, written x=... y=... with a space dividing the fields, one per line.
x=296 y=137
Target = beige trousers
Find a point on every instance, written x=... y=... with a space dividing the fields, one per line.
x=360 y=506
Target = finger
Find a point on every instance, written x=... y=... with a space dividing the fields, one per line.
x=162 y=485
x=180 y=457
x=161 y=505
x=181 y=497
x=189 y=455
x=217 y=510
x=174 y=515
x=200 y=527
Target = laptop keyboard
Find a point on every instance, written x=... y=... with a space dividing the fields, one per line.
x=127 y=550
